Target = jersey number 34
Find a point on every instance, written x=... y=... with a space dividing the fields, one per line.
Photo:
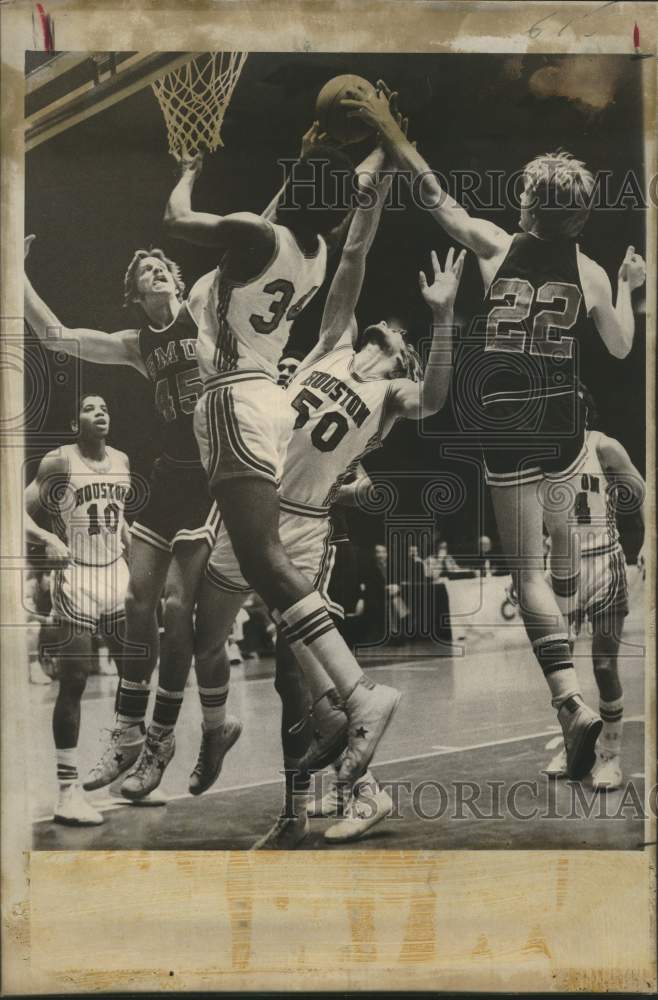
x=506 y=323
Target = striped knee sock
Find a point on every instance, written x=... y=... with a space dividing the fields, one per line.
x=132 y=702
x=554 y=656
x=319 y=647
x=165 y=712
x=612 y=713
x=213 y=705
x=67 y=766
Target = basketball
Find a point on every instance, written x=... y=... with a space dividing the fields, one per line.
x=333 y=118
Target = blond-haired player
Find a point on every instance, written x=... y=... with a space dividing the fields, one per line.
x=517 y=375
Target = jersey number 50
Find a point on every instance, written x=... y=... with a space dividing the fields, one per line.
x=512 y=316
x=330 y=429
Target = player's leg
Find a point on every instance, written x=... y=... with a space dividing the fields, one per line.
x=607 y=615
x=519 y=517
x=291 y=826
x=72 y=648
x=607 y=772
x=148 y=571
x=215 y=614
x=181 y=585
x=250 y=508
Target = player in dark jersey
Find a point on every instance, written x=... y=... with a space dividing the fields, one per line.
x=516 y=384
x=175 y=529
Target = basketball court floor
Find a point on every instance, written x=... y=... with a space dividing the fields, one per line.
x=462 y=759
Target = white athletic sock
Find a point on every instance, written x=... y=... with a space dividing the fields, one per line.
x=213 y=706
x=612 y=713
x=319 y=647
x=67 y=766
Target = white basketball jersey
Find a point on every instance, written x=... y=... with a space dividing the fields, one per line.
x=244 y=327
x=340 y=419
x=592 y=514
x=91 y=508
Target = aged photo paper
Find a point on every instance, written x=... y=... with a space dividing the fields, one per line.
x=327 y=535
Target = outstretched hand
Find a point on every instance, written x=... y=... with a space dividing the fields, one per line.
x=378 y=109
x=27 y=244
x=191 y=164
x=313 y=135
x=441 y=292
x=633 y=269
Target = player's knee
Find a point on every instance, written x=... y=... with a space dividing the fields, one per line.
x=209 y=649
x=138 y=604
x=261 y=565
x=605 y=665
x=73 y=680
x=178 y=609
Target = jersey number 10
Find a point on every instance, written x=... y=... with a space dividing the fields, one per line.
x=110 y=516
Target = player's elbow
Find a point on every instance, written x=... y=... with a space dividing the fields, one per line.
x=621 y=348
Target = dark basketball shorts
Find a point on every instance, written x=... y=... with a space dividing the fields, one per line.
x=527 y=441
x=179 y=507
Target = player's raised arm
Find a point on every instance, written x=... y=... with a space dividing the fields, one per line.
x=51 y=475
x=616 y=324
x=415 y=401
x=338 y=317
x=482 y=237
x=240 y=230
x=121 y=348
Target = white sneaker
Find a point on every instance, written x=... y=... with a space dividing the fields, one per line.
x=146 y=774
x=120 y=752
x=72 y=808
x=557 y=766
x=606 y=774
x=332 y=803
x=330 y=734
x=367 y=806
x=369 y=708
x=581 y=727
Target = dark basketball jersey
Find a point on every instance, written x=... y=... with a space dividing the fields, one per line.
x=170 y=359
x=534 y=315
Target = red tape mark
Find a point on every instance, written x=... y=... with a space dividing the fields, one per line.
x=47 y=29
x=636 y=37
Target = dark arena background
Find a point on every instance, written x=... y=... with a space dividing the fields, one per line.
x=96 y=192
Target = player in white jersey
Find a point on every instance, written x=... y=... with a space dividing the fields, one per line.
x=270 y=268
x=582 y=515
x=84 y=488
x=345 y=396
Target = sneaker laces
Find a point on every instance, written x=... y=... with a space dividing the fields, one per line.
x=199 y=767
x=145 y=760
x=356 y=807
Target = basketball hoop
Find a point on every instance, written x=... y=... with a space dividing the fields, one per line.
x=194 y=99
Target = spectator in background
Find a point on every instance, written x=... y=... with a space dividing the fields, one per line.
x=441 y=564
x=288 y=364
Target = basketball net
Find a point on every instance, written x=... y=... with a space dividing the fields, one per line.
x=194 y=99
